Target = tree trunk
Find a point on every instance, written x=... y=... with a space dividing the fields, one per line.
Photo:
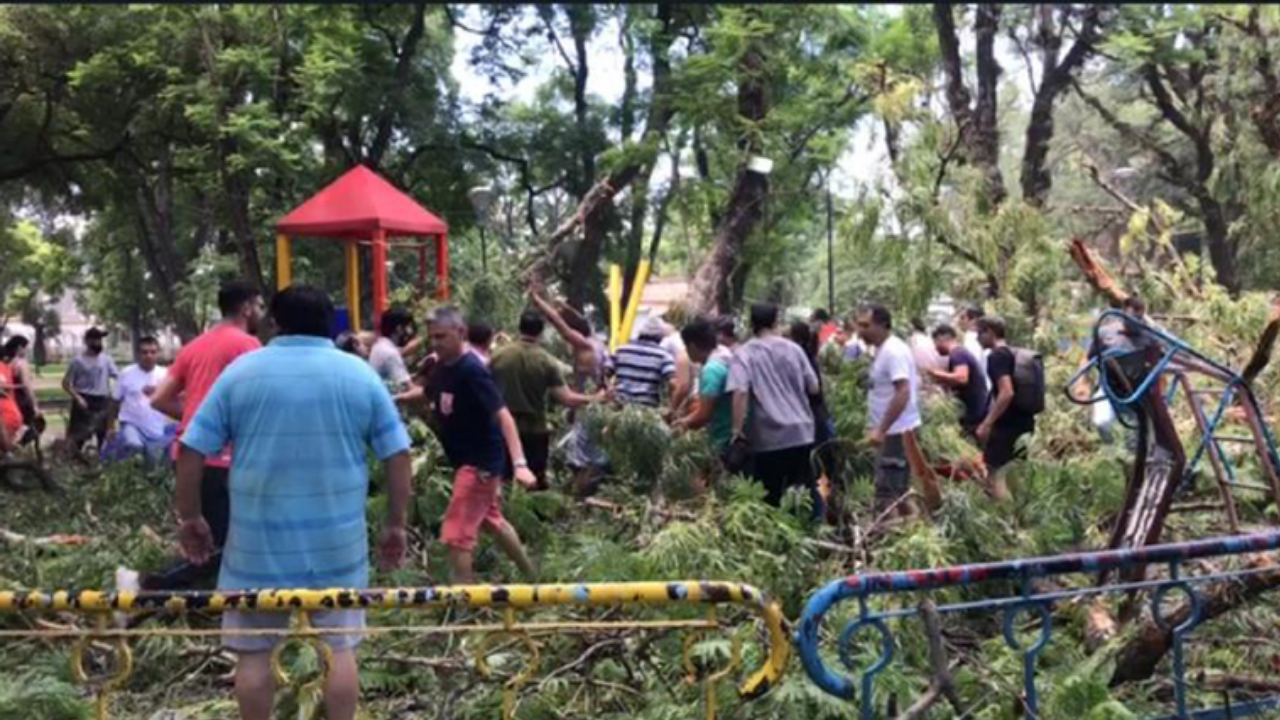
x=39 y=345
x=391 y=104
x=978 y=125
x=661 y=111
x=1139 y=658
x=156 y=239
x=236 y=189
x=711 y=289
x=1222 y=251
x=584 y=277
x=986 y=143
x=1055 y=78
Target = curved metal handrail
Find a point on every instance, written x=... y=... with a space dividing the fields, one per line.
x=863 y=586
x=694 y=592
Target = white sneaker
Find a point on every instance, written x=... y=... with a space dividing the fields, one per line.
x=126 y=580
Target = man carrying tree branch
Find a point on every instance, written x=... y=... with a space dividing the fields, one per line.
x=892 y=407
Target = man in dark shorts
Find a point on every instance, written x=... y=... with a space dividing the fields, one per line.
x=1005 y=422
x=963 y=375
x=195 y=370
x=527 y=374
x=88 y=382
x=478 y=434
x=893 y=408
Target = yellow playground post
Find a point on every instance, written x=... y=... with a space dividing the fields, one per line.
x=633 y=305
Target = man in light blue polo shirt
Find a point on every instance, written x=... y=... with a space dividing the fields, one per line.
x=301 y=415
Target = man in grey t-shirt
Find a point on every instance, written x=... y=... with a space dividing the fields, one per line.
x=88 y=382
x=771 y=381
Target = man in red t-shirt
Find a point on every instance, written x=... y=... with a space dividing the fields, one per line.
x=194 y=371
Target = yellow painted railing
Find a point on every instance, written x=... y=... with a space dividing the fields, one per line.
x=510 y=599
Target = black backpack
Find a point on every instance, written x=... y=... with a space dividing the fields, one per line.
x=1028 y=381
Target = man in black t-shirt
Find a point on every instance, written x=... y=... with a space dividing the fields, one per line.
x=478 y=433
x=1005 y=422
x=963 y=375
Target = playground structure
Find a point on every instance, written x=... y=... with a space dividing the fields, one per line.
x=1142 y=385
x=362 y=208
x=1014 y=590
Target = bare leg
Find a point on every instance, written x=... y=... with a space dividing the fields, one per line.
x=509 y=540
x=343 y=690
x=255 y=686
x=998 y=488
x=460 y=568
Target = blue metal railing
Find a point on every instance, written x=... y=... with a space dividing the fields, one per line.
x=1038 y=604
x=1178 y=357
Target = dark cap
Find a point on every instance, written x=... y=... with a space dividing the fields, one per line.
x=94 y=332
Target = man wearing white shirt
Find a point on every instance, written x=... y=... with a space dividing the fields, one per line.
x=892 y=406
x=141 y=427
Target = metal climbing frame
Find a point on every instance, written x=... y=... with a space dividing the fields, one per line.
x=509 y=599
x=1180 y=362
x=1040 y=605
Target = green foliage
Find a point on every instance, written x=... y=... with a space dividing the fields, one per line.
x=40 y=696
x=635 y=438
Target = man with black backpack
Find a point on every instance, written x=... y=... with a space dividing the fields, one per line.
x=1017 y=396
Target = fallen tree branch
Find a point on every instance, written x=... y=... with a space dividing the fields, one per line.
x=942 y=685
x=60 y=540
x=1231 y=681
x=1266 y=343
x=1139 y=658
x=423 y=662
x=1095 y=273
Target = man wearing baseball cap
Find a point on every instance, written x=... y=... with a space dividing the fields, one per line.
x=88 y=382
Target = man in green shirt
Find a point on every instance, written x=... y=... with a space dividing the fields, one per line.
x=714 y=409
x=527 y=374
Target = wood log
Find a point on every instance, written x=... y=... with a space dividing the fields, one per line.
x=1139 y=658
x=942 y=685
x=1266 y=343
x=1095 y=273
x=1099 y=625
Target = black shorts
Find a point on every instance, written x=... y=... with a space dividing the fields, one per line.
x=537 y=451
x=92 y=421
x=1002 y=447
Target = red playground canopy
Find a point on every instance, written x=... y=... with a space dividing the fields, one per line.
x=360 y=204
x=362 y=207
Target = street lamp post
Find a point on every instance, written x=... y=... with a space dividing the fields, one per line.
x=481 y=198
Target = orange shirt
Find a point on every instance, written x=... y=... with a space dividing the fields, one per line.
x=10 y=413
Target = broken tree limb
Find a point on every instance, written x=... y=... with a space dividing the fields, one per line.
x=1099 y=625
x=1266 y=343
x=1095 y=273
x=942 y=685
x=1139 y=658
x=63 y=540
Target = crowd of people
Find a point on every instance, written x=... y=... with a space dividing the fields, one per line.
x=272 y=442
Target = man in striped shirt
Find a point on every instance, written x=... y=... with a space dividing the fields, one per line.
x=301 y=415
x=643 y=368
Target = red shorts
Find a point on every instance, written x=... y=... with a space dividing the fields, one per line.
x=476 y=502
